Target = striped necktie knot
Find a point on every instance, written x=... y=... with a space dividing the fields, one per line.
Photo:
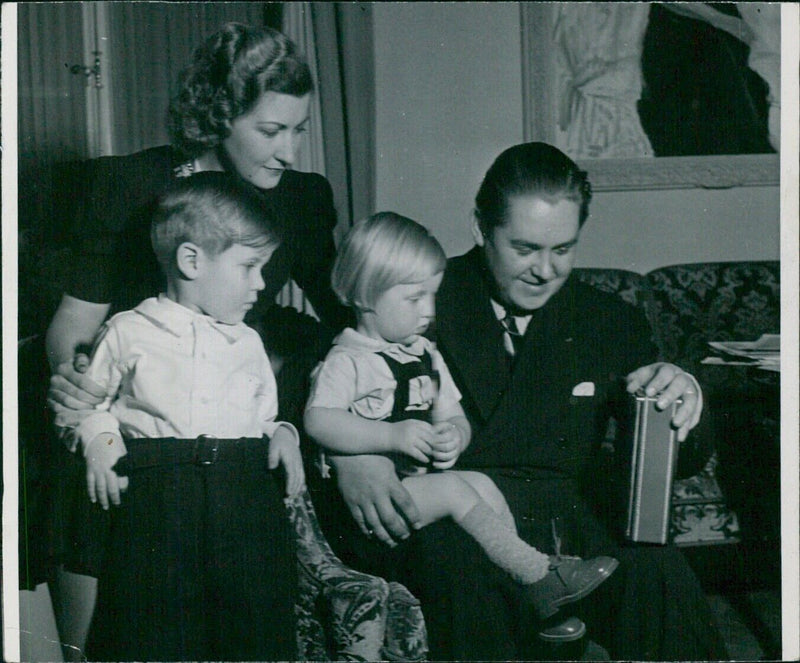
x=513 y=333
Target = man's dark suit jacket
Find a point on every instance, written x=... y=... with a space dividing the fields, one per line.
x=544 y=417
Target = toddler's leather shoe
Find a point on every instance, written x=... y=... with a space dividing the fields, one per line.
x=569 y=579
x=567 y=631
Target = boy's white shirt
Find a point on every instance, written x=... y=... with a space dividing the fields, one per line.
x=171 y=372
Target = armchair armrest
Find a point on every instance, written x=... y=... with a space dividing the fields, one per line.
x=344 y=614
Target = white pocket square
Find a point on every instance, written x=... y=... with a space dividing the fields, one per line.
x=583 y=389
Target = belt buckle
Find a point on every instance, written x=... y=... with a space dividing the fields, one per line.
x=203 y=453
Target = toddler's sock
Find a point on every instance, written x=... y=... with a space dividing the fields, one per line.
x=502 y=545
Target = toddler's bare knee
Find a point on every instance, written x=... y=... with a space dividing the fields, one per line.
x=487 y=489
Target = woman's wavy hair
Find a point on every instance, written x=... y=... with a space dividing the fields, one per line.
x=530 y=169
x=227 y=76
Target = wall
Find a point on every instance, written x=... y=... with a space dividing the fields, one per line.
x=448 y=98
x=644 y=230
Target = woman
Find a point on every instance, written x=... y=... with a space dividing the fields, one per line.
x=242 y=107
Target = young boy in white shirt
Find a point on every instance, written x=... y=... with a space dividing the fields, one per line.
x=200 y=561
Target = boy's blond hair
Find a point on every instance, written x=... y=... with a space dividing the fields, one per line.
x=382 y=251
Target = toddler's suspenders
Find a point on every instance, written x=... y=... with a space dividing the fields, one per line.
x=404 y=373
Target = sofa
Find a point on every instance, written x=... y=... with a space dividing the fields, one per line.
x=737 y=443
x=732 y=456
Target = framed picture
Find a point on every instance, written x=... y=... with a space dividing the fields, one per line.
x=656 y=95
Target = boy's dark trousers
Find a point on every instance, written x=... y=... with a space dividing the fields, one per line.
x=201 y=562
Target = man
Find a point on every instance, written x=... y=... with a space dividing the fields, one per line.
x=541 y=362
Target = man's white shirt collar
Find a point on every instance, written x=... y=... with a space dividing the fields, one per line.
x=522 y=320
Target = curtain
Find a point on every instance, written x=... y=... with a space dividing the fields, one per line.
x=336 y=39
x=51 y=105
x=346 y=66
x=51 y=100
x=599 y=79
x=148 y=44
x=52 y=132
x=297 y=25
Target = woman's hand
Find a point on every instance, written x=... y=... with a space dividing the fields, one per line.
x=670 y=383
x=284 y=450
x=70 y=389
x=377 y=500
x=413 y=438
x=74 y=325
x=102 y=482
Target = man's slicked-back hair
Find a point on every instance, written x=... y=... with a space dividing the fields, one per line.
x=380 y=252
x=530 y=169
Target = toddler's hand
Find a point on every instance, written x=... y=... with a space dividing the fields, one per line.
x=413 y=438
x=102 y=483
x=283 y=449
x=446 y=445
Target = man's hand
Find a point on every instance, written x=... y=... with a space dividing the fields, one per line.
x=70 y=389
x=670 y=383
x=377 y=500
x=283 y=449
x=102 y=482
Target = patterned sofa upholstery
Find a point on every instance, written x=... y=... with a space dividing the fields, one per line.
x=688 y=305
x=693 y=304
x=345 y=615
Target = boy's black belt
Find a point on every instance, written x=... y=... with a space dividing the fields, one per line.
x=203 y=450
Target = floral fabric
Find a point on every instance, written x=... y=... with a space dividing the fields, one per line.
x=346 y=615
x=687 y=306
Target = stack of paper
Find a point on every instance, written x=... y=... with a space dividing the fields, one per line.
x=763 y=353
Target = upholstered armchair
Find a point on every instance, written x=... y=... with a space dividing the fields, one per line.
x=346 y=615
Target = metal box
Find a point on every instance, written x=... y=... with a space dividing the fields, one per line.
x=655 y=457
